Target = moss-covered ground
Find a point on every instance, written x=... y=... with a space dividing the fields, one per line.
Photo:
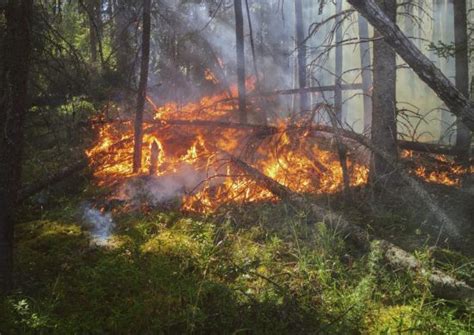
x=261 y=269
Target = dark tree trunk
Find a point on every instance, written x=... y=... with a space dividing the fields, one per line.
x=384 y=120
x=301 y=45
x=366 y=73
x=239 y=37
x=423 y=67
x=338 y=68
x=92 y=9
x=463 y=137
x=142 y=88
x=15 y=58
x=122 y=44
x=93 y=29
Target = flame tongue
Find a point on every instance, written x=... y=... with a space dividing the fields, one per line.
x=295 y=160
x=291 y=165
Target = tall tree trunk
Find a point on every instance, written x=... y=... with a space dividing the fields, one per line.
x=301 y=46
x=423 y=67
x=240 y=48
x=463 y=136
x=15 y=59
x=409 y=18
x=338 y=68
x=122 y=43
x=92 y=9
x=142 y=88
x=441 y=27
x=366 y=73
x=384 y=120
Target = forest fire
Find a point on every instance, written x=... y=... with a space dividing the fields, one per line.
x=174 y=139
x=180 y=136
x=208 y=167
x=450 y=177
x=440 y=170
x=295 y=160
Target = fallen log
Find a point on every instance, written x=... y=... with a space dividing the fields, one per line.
x=443 y=285
x=344 y=87
x=429 y=148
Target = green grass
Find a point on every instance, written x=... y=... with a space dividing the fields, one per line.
x=262 y=269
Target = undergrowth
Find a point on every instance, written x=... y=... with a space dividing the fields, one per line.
x=263 y=269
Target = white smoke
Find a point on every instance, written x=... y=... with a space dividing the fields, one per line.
x=100 y=224
x=161 y=189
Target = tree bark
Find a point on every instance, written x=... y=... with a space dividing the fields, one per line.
x=423 y=67
x=94 y=27
x=122 y=43
x=384 y=119
x=240 y=53
x=142 y=88
x=338 y=67
x=301 y=46
x=366 y=74
x=13 y=107
x=463 y=135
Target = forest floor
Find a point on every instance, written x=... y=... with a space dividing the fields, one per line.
x=261 y=268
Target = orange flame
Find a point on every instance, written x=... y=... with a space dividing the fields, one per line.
x=297 y=162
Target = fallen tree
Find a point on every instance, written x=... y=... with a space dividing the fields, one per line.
x=343 y=87
x=458 y=104
x=444 y=285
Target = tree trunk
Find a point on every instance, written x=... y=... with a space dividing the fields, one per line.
x=122 y=44
x=440 y=28
x=239 y=37
x=384 y=120
x=13 y=106
x=301 y=46
x=463 y=136
x=338 y=69
x=142 y=88
x=423 y=67
x=94 y=27
x=366 y=74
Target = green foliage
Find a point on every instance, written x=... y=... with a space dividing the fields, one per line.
x=442 y=49
x=261 y=269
